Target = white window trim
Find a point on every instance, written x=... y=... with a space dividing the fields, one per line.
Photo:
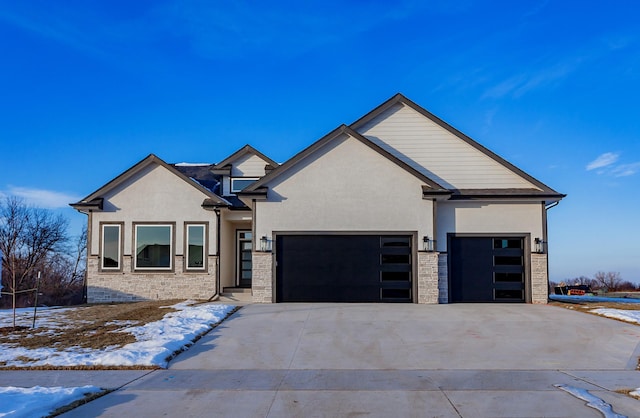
x=171 y=247
x=241 y=178
x=204 y=247
x=102 y=247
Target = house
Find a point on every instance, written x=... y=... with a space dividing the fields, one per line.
x=399 y=206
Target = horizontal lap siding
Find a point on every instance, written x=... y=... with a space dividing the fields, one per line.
x=249 y=166
x=436 y=152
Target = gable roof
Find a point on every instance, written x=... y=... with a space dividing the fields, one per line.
x=247 y=149
x=430 y=187
x=401 y=99
x=95 y=199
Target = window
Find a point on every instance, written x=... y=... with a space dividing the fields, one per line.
x=154 y=247
x=111 y=248
x=240 y=183
x=195 y=248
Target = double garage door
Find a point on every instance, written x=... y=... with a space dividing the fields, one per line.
x=343 y=268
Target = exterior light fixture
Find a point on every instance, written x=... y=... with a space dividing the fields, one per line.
x=539 y=245
x=428 y=244
x=265 y=244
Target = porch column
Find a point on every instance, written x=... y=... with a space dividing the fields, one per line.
x=428 y=277
x=539 y=278
x=262 y=277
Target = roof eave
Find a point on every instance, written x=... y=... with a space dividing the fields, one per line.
x=94 y=204
x=258 y=193
x=247 y=149
x=547 y=197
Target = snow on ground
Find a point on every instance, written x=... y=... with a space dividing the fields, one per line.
x=591 y=400
x=155 y=341
x=579 y=299
x=623 y=315
x=39 y=401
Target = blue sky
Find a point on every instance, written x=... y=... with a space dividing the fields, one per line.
x=89 y=88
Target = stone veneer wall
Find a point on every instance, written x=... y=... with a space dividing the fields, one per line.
x=126 y=286
x=539 y=278
x=443 y=279
x=262 y=277
x=427 y=277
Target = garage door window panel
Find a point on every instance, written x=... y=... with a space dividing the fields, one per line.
x=508 y=277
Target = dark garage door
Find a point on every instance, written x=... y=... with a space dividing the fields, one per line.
x=343 y=268
x=486 y=269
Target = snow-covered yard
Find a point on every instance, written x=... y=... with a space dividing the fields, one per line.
x=39 y=401
x=155 y=343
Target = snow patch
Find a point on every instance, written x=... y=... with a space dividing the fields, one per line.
x=623 y=315
x=592 y=401
x=39 y=401
x=192 y=164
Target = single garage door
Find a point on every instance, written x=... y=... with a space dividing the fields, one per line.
x=486 y=269
x=343 y=268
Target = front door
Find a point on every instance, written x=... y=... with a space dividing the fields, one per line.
x=243 y=255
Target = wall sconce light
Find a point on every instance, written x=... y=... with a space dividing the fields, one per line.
x=265 y=244
x=428 y=244
x=539 y=245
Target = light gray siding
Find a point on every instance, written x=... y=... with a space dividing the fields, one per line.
x=249 y=165
x=436 y=152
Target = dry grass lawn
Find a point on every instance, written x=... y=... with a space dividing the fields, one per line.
x=90 y=326
x=586 y=306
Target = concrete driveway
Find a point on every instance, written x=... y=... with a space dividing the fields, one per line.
x=457 y=360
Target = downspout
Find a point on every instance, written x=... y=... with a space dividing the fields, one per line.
x=87 y=252
x=216 y=295
x=545 y=237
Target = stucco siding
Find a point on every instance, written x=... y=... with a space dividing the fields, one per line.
x=489 y=218
x=153 y=195
x=346 y=186
x=436 y=152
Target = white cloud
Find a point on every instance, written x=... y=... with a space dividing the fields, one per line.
x=624 y=170
x=48 y=199
x=603 y=160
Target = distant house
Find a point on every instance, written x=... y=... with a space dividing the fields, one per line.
x=399 y=206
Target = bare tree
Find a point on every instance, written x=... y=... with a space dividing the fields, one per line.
x=582 y=280
x=28 y=237
x=628 y=286
x=610 y=280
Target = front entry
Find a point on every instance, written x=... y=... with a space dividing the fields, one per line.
x=244 y=245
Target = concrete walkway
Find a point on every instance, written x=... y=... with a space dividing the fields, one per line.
x=308 y=360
